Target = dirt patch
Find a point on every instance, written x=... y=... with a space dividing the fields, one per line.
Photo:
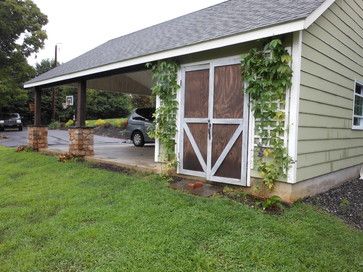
x=112 y=168
x=196 y=187
x=111 y=131
x=345 y=201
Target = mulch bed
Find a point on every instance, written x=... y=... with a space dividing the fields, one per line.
x=110 y=131
x=345 y=201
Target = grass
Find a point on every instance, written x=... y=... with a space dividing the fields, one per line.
x=71 y=217
x=114 y=122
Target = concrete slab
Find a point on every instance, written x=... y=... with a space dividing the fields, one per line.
x=119 y=152
x=127 y=155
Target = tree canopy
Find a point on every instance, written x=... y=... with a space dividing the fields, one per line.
x=22 y=33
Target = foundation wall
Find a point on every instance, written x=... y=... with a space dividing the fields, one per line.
x=293 y=192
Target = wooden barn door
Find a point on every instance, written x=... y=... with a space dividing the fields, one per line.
x=227 y=125
x=195 y=121
x=214 y=130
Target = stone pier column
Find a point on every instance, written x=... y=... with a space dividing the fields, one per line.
x=38 y=137
x=81 y=141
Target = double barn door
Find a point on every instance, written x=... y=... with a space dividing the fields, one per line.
x=213 y=142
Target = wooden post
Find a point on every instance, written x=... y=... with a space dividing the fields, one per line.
x=37 y=106
x=81 y=104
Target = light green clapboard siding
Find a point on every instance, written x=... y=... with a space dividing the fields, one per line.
x=330 y=39
x=318 y=121
x=319 y=133
x=311 y=159
x=332 y=59
x=322 y=46
x=318 y=83
x=320 y=96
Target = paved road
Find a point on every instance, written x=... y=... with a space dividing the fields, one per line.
x=13 y=138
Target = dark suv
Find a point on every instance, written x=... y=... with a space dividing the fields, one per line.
x=10 y=120
x=138 y=125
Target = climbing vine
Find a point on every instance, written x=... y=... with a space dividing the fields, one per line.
x=165 y=86
x=268 y=75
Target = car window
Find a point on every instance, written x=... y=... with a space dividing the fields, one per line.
x=146 y=113
x=9 y=115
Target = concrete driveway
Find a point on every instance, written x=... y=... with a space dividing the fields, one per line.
x=107 y=150
x=56 y=138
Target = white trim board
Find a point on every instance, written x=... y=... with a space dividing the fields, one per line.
x=317 y=13
x=294 y=105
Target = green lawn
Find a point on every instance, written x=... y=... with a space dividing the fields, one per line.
x=70 y=217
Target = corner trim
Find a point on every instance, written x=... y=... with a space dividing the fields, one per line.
x=294 y=105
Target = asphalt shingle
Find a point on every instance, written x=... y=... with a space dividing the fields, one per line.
x=222 y=20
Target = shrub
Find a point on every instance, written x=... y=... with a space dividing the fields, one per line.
x=54 y=125
x=273 y=202
x=102 y=123
x=120 y=123
x=70 y=123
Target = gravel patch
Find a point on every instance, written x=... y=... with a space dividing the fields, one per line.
x=345 y=201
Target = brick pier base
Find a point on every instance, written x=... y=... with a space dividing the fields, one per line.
x=81 y=141
x=38 y=137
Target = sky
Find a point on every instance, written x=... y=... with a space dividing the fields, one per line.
x=80 y=25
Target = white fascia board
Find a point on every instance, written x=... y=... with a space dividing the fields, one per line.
x=222 y=42
x=317 y=13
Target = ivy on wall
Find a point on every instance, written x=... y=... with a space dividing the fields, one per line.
x=268 y=76
x=165 y=86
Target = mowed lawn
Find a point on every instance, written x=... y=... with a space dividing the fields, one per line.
x=71 y=217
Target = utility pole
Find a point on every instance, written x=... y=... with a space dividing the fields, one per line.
x=54 y=95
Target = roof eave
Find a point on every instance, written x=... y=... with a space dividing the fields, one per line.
x=194 y=48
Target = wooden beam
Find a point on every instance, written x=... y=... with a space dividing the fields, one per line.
x=81 y=104
x=37 y=106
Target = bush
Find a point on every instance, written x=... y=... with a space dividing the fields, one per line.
x=102 y=123
x=54 y=125
x=70 y=123
x=120 y=123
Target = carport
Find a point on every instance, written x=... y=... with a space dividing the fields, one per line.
x=135 y=80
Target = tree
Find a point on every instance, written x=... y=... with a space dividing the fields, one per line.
x=102 y=104
x=21 y=33
x=142 y=101
x=21 y=29
x=44 y=66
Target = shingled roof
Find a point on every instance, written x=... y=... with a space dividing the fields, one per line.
x=223 y=20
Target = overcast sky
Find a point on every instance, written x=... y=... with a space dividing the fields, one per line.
x=80 y=25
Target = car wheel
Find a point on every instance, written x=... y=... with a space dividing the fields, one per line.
x=138 y=139
x=20 y=128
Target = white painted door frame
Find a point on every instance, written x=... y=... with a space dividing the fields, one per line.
x=210 y=170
